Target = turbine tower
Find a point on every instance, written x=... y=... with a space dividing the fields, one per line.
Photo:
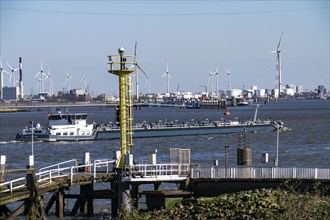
x=12 y=74
x=168 y=78
x=84 y=82
x=278 y=77
x=137 y=73
x=1 y=77
x=212 y=75
x=67 y=81
x=50 y=82
x=40 y=78
x=228 y=78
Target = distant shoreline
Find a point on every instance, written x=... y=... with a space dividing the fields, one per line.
x=10 y=110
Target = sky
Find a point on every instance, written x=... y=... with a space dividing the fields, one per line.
x=192 y=37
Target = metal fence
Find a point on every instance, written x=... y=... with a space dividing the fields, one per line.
x=260 y=172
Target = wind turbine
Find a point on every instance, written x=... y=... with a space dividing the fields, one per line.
x=40 y=78
x=84 y=82
x=212 y=75
x=67 y=81
x=168 y=78
x=278 y=78
x=137 y=73
x=228 y=78
x=12 y=75
x=1 y=77
x=50 y=82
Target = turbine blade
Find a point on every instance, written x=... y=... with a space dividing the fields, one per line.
x=278 y=46
x=164 y=75
x=9 y=65
x=217 y=70
x=142 y=71
x=36 y=74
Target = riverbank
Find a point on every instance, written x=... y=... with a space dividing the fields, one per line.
x=257 y=204
x=9 y=110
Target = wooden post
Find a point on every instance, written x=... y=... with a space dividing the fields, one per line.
x=2 y=168
x=60 y=203
x=226 y=159
x=135 y=195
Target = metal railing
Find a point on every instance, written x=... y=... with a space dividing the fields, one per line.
x=47 y=175
x=260 y=172
x=172 y=171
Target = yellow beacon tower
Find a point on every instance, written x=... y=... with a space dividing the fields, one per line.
x=122 y=66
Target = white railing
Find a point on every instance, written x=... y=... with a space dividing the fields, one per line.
x=260 y=173
x=157 y=171
x=47 y=175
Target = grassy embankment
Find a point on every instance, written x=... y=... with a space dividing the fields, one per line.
x=258 y=204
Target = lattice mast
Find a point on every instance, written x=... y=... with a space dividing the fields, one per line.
x=117 y=66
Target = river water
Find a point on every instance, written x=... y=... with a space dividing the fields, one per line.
x=307 y=144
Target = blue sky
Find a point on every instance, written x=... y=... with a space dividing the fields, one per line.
x=191 y=36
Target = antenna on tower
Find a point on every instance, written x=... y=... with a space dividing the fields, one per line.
x=278 y=77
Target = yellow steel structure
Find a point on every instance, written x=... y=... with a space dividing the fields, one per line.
x=117 y=66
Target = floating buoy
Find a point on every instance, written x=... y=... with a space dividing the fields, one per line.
x=226 y=112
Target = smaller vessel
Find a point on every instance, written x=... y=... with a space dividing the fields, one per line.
x=61 y=127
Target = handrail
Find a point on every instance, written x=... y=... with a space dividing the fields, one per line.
x=260 y=173
x=47 y=176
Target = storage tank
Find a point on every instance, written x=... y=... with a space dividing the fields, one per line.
x=244 y=156
x=233 y=93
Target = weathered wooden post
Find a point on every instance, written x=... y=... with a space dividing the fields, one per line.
x=2 y=168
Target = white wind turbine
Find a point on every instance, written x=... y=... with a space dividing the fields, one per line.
x=41 y=79
x=12 y=74
x=137 y=73
x=1 y=77
x=50 y=82
x=168 y=78
x=228 y=78
x=67 y=81
x=84 y=82
x=212 y=75
x=278 y=78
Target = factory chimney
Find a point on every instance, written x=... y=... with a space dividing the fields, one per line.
x=20 y=93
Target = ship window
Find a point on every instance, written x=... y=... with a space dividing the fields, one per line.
x=58 y=133
x=87 y=132
x=54 y=117
x=71 y=132
x=65 y=133
x=83 y=133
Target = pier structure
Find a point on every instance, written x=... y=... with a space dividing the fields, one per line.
x=27 y=193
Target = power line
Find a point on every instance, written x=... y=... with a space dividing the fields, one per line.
x=164 y=14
